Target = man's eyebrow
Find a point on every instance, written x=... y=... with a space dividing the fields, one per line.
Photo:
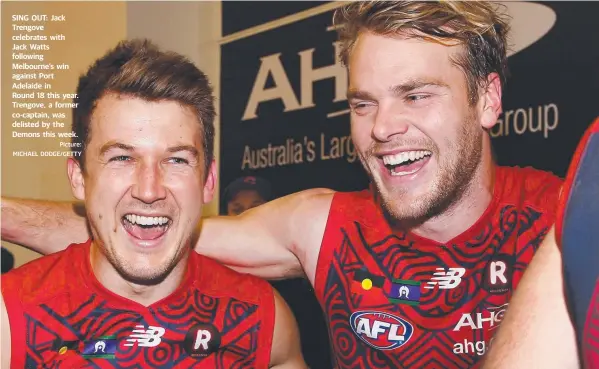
x=118 y=145
x=360 y=95
x=191 y=149
x=114 y=145
x=398 y=89
x=412 y=85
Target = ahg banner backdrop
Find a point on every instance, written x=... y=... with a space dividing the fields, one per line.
x=284 y=113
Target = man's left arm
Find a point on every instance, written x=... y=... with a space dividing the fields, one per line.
x=286 y=350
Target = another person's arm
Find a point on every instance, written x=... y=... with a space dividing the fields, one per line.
x=280 y=239
x=537 y=331
x=286 y=352
x=43 y=226
x=5 y=338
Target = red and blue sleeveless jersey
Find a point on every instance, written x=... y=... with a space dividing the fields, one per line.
x=577 y=233
x=397 y=300
x=62 y=317
x=590 y=334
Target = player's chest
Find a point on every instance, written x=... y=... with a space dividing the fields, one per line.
x=375 y=268
x=203 y=334
x=398 y=299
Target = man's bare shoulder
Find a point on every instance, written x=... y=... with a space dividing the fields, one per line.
x=312 y=194
x=313 y=200
x=309 y=210
x=303 y=208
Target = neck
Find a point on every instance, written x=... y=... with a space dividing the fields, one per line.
x=145 y=295
x=467 y=210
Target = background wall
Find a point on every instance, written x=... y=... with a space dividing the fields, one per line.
x=287 y=116
x=90 y=29
x=190 y=28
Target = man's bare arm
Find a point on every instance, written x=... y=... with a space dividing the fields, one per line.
x=5 y=338
x=280 y=239
x=286 y=352
x=43 y=226
x=537 y=331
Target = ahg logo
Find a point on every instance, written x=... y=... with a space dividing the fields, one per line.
x=529 y=23
x=271 y=65
x=489 y=320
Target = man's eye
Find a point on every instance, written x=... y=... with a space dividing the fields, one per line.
x=179 y=160
x=361 y=107
x=417 y=97
x=120 y=158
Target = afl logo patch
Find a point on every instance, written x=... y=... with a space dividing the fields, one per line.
x=382 y=331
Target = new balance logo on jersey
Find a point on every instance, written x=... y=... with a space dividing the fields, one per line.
x=446 y=279
x=150 y=337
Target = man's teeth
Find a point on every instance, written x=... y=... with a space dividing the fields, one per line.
x=405 y=156
x=146 y=221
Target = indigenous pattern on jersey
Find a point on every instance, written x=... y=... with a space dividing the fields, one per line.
x=591 y=333
x=397 y=300
x=61 y=317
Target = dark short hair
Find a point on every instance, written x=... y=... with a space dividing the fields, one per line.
x=138 y=68
x=8 y=260
x=258 y=184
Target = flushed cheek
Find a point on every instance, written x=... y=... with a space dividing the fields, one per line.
x=104 y=199
x=187 y=186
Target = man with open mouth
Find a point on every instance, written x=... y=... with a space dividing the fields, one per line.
x=135 y=294
x=417 y=271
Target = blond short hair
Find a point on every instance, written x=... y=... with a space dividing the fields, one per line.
x=478 y=25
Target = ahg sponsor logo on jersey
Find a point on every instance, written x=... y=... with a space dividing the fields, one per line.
x=446 y=279
x=382 y=331
x=490 y=319
x=470 y=347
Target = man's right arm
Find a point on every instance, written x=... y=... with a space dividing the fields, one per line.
x=43 y=226
x=276 y=240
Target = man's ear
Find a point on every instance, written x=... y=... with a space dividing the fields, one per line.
x=76 y=178
x=490 y=102
x=210 y=184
